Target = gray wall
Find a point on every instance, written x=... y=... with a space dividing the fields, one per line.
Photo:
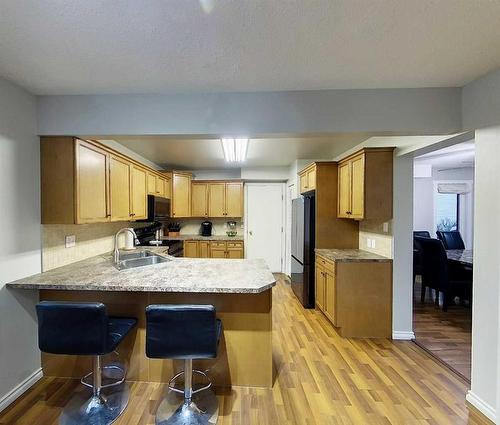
x=481 y=102
x=20 y=245
x=421 y=111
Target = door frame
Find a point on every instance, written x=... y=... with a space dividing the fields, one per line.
x=282 y=185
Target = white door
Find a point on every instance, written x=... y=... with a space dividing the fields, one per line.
x=264 y=217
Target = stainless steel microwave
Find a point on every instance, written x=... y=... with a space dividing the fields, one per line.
x=158 y=208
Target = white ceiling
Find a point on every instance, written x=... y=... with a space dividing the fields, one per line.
x=461 y=155
x=98 y=46
x=197 y=153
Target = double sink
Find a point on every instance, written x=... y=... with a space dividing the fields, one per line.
x=131 y=260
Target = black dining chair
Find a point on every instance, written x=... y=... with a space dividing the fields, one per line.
x=451 y=240
x=417 y=261
x=436 y=274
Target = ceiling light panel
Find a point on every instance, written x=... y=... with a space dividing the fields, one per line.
x=235 y=150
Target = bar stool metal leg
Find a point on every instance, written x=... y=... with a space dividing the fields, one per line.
x=102 y=408
x=189 y=406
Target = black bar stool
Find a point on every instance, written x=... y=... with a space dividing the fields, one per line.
x=84 y=329
x=184 y=332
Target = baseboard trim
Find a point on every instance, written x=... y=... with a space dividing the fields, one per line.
x=403 y=335
x=481 y=406
x=20 y=389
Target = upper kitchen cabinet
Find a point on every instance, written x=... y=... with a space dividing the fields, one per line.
x=199 y=199
x=159 y=185
x=119 y=188
x=217 y=199
x=75 y=181
x=90 y=182
x=308 y=178
x=138 y=196
x=181 y=194
x=365 y=185
x=234 y=199
x=87 y=182
x=225 y=199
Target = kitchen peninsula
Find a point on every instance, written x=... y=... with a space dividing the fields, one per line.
x=240 y=290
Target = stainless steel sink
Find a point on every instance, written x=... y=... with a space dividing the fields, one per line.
x=136 y=254
x=140 y=259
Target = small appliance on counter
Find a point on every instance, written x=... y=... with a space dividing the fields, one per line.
x=231 y=232
x=206 y=228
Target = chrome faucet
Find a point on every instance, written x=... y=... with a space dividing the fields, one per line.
x=117 y=251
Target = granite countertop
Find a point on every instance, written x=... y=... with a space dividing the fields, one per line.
x=178 y=275
x=351 y=255
x=203 y=238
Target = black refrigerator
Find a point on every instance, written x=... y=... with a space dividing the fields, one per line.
x=303 y=243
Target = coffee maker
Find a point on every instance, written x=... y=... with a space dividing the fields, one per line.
x=206 y=228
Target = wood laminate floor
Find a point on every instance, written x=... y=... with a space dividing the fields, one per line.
x=446 y=335
x=321 y=379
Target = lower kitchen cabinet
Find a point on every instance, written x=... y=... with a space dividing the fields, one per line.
x=204 y=249
x=213 y=249
x=356 y=296
x=191 y=249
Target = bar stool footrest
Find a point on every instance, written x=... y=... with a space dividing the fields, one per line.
x=171 y=383
x=121 y=380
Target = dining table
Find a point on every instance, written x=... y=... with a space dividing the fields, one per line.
x=462 y=256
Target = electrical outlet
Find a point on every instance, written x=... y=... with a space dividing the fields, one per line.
x=368 y=242
x=70 y=241
x=386 y=227
x=373 y=243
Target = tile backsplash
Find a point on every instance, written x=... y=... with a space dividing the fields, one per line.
x=376 y=237
x=219 y=226
x=91 y=240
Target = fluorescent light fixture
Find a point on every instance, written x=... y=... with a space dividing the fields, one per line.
x=235 y=150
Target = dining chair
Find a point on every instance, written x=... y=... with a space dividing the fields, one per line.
x=417 y=261
x=451 y=239
x=436 y=274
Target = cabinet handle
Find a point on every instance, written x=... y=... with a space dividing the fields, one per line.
x=108 y=215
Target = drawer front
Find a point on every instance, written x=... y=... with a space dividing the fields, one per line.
x=328 y=265
x=235 y=244
x=217 y=244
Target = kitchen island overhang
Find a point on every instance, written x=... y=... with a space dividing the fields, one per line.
x=240 y=290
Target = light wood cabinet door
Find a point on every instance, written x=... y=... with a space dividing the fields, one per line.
x=181 y=195
x=160 y=186
x=217 y=199
x=217 y=252
x=344 y=189
x=234 y=200
x=119 y=189
x=191 y=249
x=235 y=253
x=358 y=187
x=311 y=179
x=199 y=200
x=91 y=184
x=303 y=183
x=151 y=184
x=203 y=249
x=329 y=310
x=138 y=187
x=320 y=287
x=168 y=187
